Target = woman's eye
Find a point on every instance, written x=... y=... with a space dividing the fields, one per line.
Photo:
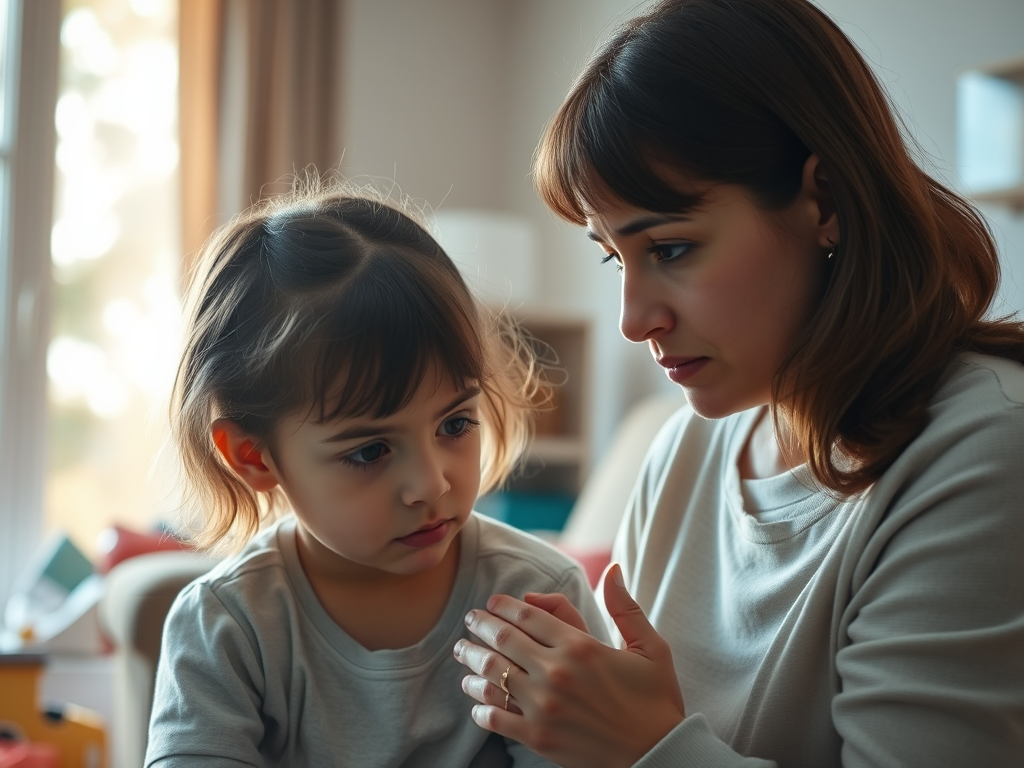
x=670 y=251
x=458 y=426
x=610 y=257
x=367 y=455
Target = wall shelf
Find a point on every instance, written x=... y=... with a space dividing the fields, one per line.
x=990 y=132
x=541 y=492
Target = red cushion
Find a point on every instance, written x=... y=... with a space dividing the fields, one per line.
x=593 y=561
x=117 y=544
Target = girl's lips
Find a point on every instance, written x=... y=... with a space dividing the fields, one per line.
x=426 y=537
x=679 y=369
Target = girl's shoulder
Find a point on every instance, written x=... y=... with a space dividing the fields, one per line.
x=245 y=572
x=515 y=556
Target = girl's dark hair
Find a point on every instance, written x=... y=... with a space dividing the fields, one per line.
x=742 y=92
x=337 y=302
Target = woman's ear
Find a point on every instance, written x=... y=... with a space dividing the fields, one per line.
x=241 y=454
x=816 y=186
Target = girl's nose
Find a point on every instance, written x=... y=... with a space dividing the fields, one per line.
x=644 y=314
x=426 y=481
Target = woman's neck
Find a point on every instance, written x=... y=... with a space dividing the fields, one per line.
x=767 y=453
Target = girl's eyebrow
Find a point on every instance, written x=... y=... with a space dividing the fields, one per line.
x=374 y=430
x=467 y=394
x=639 y=225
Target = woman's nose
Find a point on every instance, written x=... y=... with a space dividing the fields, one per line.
x=644 y=314
x=426 y=481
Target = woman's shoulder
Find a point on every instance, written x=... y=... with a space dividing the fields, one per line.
x=971 y=450
x=982 y=383
x=980 y=403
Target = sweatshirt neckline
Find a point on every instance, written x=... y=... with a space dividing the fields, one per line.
x=391 y=662
x=773 y=509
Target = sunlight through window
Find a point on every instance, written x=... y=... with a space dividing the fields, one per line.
x=116 y=266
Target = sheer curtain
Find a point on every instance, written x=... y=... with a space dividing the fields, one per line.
x=259 y=92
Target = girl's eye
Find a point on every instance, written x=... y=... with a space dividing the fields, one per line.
x=366 y=456
x=458 y=426
x=670 y=251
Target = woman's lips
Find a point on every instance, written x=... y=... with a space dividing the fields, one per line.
x=680 y=369
x=426 y=537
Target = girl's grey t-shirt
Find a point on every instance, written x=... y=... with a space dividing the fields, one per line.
x=253 y=671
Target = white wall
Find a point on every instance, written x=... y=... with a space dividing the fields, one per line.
x=453 y=94
x=917 y=48
x=423 y=103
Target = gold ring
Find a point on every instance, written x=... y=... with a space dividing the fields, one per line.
x=502 y=683
x=504 y=679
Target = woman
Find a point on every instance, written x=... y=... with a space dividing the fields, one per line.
x=827 y=543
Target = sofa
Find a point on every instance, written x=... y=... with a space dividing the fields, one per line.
x=140 y=590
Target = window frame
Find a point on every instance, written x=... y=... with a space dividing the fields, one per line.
x=33 y=49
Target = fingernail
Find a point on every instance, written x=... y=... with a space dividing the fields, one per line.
x=458 y=649
x=617 y=575
x=477 y=712
x=470 y=617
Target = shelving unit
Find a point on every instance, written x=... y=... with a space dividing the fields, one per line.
x=541 y=492
x=562 y=436
x=990 y=124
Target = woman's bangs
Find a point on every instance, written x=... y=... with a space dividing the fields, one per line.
x=380 y=340
x=595 y=152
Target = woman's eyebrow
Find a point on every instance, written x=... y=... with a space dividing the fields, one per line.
x=639 y=225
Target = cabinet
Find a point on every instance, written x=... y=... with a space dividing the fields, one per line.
x=541 y=492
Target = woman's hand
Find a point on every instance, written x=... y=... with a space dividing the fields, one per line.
x=573 y=700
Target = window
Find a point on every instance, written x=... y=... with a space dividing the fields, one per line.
x=116 y=254
x=87 y=340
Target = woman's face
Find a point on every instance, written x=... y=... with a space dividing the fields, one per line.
x=718 y=292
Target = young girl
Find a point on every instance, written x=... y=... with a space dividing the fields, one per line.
x=336 y=363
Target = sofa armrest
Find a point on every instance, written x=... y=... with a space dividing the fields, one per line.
x=138 y=594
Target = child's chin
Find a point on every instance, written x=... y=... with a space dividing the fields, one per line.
x=422 y=559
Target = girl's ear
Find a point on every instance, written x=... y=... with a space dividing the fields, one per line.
x=240 y=452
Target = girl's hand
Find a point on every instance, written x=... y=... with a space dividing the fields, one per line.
x=574 y=700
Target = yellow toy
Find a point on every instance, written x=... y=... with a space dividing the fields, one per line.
x=77 y=733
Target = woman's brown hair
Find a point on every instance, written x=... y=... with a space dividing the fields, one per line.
x=743 y=92
x=334 y=302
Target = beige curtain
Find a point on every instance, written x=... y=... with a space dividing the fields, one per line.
x=259 y=96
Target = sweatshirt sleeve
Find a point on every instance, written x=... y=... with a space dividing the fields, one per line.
x=692 y=744
x=206 y=703
x=932 y=668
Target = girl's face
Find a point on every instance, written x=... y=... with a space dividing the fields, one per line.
x=718 y=292
x=383 y=495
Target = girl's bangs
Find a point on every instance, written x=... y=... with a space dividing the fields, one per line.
x=378 y=341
